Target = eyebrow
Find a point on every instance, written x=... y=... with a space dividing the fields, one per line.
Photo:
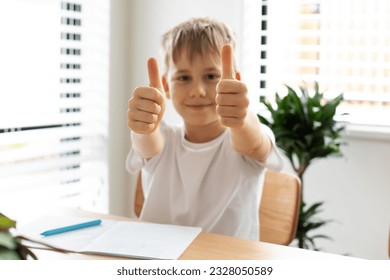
x=212 y=69
x=183 y=71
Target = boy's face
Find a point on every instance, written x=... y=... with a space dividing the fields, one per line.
x=192 y=87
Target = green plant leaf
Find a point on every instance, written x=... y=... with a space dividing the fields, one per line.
x=315 y=225
x=321 y=236
x=311 y=211
x=7 y=254
x=6 y=223
x=7 y=241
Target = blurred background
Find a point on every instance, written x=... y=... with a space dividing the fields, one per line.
x=67 y=70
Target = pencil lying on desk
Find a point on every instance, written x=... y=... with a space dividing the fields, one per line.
x=71 y=227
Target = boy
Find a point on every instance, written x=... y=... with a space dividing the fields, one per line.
x=209 y=171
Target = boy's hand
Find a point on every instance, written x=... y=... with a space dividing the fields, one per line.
x=232 y=100
x=147 y=105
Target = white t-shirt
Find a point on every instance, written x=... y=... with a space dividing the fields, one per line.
x=207 y=185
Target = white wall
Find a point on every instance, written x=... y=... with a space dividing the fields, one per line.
x=356 y=191
x=355 y=188
x=119 y=181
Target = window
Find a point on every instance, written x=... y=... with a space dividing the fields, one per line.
x=344 y=45
x=54 y=103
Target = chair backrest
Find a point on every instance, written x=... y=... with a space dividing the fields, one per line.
x=279 y=207
x=139 y=196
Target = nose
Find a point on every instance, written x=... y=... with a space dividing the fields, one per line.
x=198 y=90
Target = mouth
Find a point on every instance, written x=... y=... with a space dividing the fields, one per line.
x=199 y=107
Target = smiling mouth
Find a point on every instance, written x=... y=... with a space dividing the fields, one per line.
x=199 y=105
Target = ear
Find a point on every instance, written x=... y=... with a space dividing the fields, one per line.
x=238 y=76
x=166 y=86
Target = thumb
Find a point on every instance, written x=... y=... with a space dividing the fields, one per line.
x=155 y=82
x=227 y=62
x=154 y=74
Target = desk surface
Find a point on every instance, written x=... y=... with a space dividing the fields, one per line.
x=206 y=246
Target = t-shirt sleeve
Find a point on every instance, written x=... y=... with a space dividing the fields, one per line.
x=135 y=162
x=274 y=160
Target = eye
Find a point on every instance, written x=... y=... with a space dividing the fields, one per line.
x=212 y=76
x=183 y=78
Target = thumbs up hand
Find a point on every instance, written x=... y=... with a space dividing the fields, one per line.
x=232 y=100
x=147 y=105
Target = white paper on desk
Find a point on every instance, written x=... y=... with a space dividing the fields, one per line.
x=127 y=239
x=144 y=240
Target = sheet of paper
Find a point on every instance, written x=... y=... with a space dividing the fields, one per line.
x=144 y=240
x=128 y=239
x=72 y=240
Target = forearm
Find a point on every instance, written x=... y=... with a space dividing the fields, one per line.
x=148 y=145
x=250 y=140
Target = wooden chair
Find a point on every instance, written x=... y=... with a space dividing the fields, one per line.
x=279 y=208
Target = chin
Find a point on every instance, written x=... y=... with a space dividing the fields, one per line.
x=204 y=122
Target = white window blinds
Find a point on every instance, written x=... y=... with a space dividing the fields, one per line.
x=344 y=45
x=53 y=102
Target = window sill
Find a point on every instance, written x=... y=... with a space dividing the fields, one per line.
x=370 y=124
x=367 y=131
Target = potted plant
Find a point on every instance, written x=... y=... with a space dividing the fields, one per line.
x=306 y=130
x=11 y=248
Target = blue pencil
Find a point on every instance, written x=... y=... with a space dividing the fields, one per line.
x=72 y=227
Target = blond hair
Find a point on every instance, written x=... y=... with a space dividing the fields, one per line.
x=198 y=36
